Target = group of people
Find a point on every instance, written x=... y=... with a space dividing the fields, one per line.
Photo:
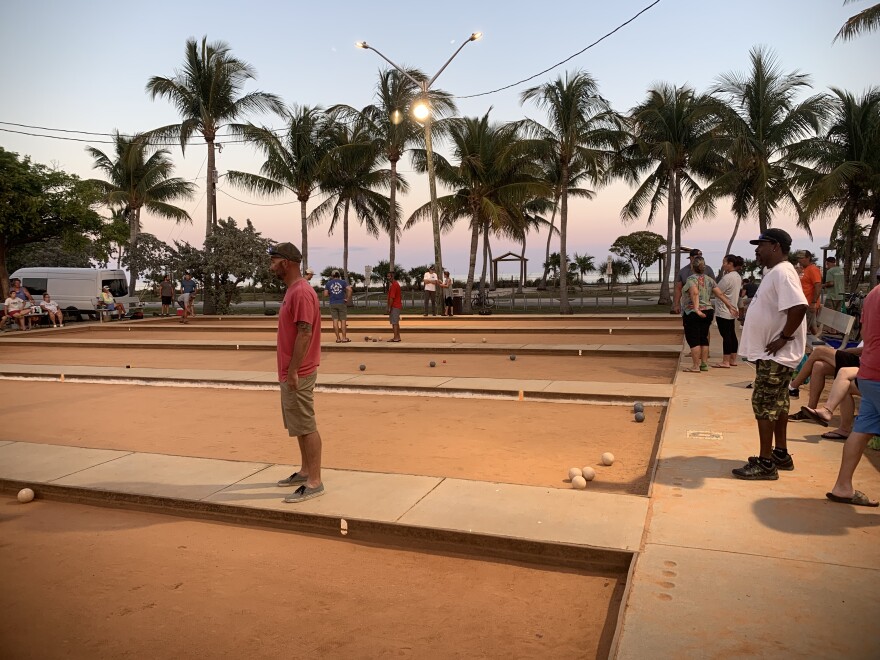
x=774 y=339
x=186 y=299
x=430 y=282
x=20 y=308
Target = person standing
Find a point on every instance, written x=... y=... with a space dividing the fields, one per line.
x=834 y=284
x=188 y=289
x=395 y=305
x=682 y=276
x=731 y=285
x=774 y=338
x=166 y=293
x=430 y=281
x=811 y=283
x=868 y=421
x=698 y=313
x=446 y=285
x=299 y=355
x=339 y=293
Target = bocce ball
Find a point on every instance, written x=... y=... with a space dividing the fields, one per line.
x=574 y=472
x=579 y=483
x=363 y=367
x=512 y=358
x=607 y=458
x=25 y=495
x=432 y=363
x=640 y=417
x=589 y=473
x=638 y=407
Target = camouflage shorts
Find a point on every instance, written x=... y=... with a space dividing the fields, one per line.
x=770 y=391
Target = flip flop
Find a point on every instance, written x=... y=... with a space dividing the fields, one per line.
x=798 y=417
x=345 y=341
x=721 y=366
x=691 y=370
x=858 y=499
x=834 y=435
x=813 y=415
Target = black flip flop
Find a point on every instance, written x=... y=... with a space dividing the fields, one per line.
x=813 y=415
x=858 y=499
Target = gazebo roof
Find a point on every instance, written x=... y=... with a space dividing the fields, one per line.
x=510 y=256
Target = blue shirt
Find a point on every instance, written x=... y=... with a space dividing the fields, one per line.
x=336 y=290
x=188 y=286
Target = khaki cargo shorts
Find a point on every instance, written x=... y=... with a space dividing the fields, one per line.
x=770 y=391
x=298 y=407
x=339 y=312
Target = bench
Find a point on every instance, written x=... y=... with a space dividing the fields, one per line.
x=842 y=323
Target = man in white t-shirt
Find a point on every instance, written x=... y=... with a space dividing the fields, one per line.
x=774 y=337
x=430 y=280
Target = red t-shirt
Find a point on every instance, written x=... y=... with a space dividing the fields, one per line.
x=811 y=282
x=300 y=304
x=869 y=363
x=394 y=298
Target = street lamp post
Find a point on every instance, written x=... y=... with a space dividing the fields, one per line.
x=422 y=112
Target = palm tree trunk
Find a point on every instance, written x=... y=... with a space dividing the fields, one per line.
x=305 y=234
x=392 y=216
x=866 y=252
x=345 y=243
x=676 y=205
x=472 y=266
x=522 y=273
x=665 y=295
x=134 y=225
x=564 y=306
x=486 y=254
x=732 y=236
x=848 y=251
x=493 y=284
x=543 y=285
x=208 y=306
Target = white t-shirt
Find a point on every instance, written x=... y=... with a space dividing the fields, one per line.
x=730 y=285
x=780 y=290
x=14 y=303
x=430 y=280
x=49 y=306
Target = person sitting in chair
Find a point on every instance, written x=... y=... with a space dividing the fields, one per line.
x=110 y=303
x=52 y=309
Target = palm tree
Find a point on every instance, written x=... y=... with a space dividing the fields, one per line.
x=293 y=162
x=494 y=179
x=760 y=121
x=581 y=128
x=139 y=177
x=350 y=179
x=207 y=93
x=866 y=20
x=393 y=130
x=584 y=264
x=843 y=172
x=671 y=130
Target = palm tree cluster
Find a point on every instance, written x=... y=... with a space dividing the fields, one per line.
x=751 y=140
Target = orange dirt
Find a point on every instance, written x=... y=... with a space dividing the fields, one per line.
x=90 y=582
x=531 y=443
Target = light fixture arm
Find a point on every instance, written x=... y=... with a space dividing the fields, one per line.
x=442 y=68
x=366 y=46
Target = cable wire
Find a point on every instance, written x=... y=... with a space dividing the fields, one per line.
x=296 y=201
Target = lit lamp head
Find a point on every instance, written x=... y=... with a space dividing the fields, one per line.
x=365 y=45
x=421 y=110
x=396 y=116
x=476 y=36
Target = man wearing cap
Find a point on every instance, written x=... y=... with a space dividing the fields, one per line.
x=338 y=291
x=111 y=304
x=299 y=354
x=309 y=274
x=683 y=275
x=834 y=284
x=811 y=283
x=430 y=280
x=773 y=338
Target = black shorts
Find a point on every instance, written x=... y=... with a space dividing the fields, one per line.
x=843 y=359
x=696 y=329
x=166 y=300
x=448 y=301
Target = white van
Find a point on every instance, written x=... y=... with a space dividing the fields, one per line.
x=75 y=289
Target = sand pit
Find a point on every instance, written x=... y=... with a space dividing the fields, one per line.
x=530 y=443
x=89 y=582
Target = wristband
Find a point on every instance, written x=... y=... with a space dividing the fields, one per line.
x=782 y=336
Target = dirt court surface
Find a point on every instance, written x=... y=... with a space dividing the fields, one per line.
x=506 y=441
x=93 y=582
x=386 y=362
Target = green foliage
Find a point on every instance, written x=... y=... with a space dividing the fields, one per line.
x=619 y=270
x=153 y=257
x=640 y=249
x=71 y=251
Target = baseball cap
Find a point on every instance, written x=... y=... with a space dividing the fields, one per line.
x=106 y=287
x=776 y=236
x=309 y=271
x=430 y=268
x=286 y=251
x=696 y=252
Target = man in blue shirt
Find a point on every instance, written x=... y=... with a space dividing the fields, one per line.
x=339 y=293
x=188 y=290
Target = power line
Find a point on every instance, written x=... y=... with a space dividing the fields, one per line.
x=296 y=201
x=583 y=50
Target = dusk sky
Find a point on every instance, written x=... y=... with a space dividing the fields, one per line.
x=82 y=66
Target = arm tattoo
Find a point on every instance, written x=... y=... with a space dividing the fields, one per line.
x=303 y=327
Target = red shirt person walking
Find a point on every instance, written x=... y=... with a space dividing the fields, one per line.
x=395 y=305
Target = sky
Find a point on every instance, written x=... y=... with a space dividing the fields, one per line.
x=83 y=66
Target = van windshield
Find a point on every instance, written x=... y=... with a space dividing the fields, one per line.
x=118 y=287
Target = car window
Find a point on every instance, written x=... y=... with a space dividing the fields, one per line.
x=36 y=285
x=118 y=287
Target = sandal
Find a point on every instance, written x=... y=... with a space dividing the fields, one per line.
x=834 y=435
x=704 y=367
x=345 y=341
x=721 y=365
x=858 y=499
x=394 y=341
x=814 y=415
x=691 y=370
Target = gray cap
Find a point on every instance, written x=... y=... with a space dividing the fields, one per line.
x=286 y=251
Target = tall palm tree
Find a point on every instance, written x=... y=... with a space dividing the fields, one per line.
x=842 y=171
x=294 y=160
x=208 y=94
x=866 y=20
x=494 y=177
x=671 y=133
x=584 y=264
x=581 y=127
x=351 y=178
x=394 y=131
x=139 y=177
x=760 y=121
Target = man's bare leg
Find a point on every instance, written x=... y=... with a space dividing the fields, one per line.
x=310 y=448
x=821 y=371
x=853 y=449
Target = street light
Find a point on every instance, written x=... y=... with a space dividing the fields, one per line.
x=422 y=113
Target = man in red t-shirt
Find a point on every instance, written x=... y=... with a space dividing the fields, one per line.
x=299 y=354
x=811 y=283
x=395 y=304
x=868 y=421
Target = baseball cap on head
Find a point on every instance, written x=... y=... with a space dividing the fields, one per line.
x=430 y=268
x=776 y=236
x=309 y=271
x=696 y=252
x=286 y=251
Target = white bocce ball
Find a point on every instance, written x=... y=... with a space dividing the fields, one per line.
x=25 y=495
x=588 y=473
x=607 y=458
x=574 y=472
x=579 y=483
